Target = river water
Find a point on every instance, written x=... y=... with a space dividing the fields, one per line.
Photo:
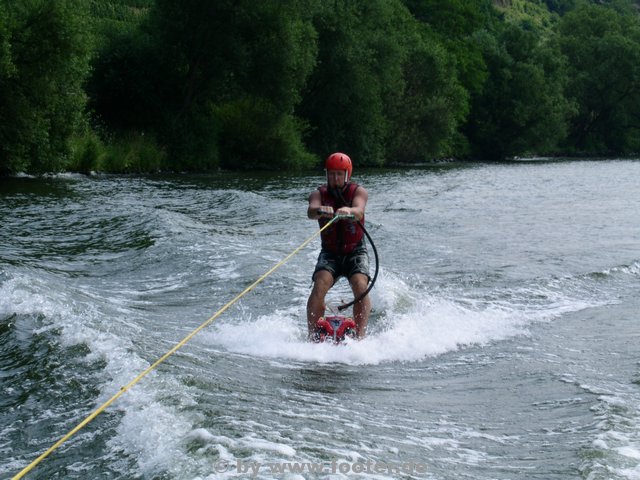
x=504 y=341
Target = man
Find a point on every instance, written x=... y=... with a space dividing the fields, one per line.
x=344 y=252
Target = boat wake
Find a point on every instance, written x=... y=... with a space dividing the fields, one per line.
x=409 y=324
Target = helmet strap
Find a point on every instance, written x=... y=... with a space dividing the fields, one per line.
x=346 y=176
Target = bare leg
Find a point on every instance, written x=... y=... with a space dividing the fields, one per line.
x=359 y=283
x=322 y=282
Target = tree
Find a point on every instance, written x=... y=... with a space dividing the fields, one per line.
x=522 y=109
x=44 y=51
x=560 y=6
x=342 y=101
x=603 y=51
x=215 y=81
x=424 y=120
x=454 y=26
x=258 y=126
x=370 y=90
x=455 y=22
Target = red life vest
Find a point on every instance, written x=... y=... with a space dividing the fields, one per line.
x=343 y=235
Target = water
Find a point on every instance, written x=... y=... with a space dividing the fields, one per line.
x=503 y=343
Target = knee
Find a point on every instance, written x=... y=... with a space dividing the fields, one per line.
x=359 y=283
x=321 y=284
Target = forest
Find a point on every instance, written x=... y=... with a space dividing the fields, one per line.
x=133 y=86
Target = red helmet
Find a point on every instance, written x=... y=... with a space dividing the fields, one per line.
x=339 y=161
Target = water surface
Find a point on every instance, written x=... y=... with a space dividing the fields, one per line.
x=503 y=342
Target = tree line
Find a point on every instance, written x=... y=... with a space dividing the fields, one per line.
x=148 y=85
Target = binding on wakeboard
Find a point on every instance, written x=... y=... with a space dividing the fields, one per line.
x=334 y=329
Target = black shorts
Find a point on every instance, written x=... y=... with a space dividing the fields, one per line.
x=344 y=265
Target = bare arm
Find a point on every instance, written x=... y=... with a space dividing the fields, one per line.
x=316 y=210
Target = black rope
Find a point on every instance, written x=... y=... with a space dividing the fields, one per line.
x=375 y=275
x=337 y=193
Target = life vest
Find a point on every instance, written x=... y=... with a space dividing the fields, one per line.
x=342 y=236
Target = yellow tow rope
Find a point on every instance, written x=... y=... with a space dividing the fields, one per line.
x=179 y=345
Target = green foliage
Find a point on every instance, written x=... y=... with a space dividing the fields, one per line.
x=356 y=95
x=126 y=84
x=425 y=119
x=530 y=12
x=193 y=62
x=624 y=7
x=224 y=52
x=87 y=153
x=119 y=86
x=455 y=23
x=257 y=135
x=522 y=109
x=603 y=50
x=133 y=153
x=276 y=84
x=191 y=139
x=560 y=6
x=461 y=73
x=44 y=48
x=114 y=17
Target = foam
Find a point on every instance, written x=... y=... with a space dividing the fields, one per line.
x=413 y=326
x=147 y=429
x=409 y=325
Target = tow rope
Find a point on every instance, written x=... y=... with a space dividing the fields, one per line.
x=179 y=345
